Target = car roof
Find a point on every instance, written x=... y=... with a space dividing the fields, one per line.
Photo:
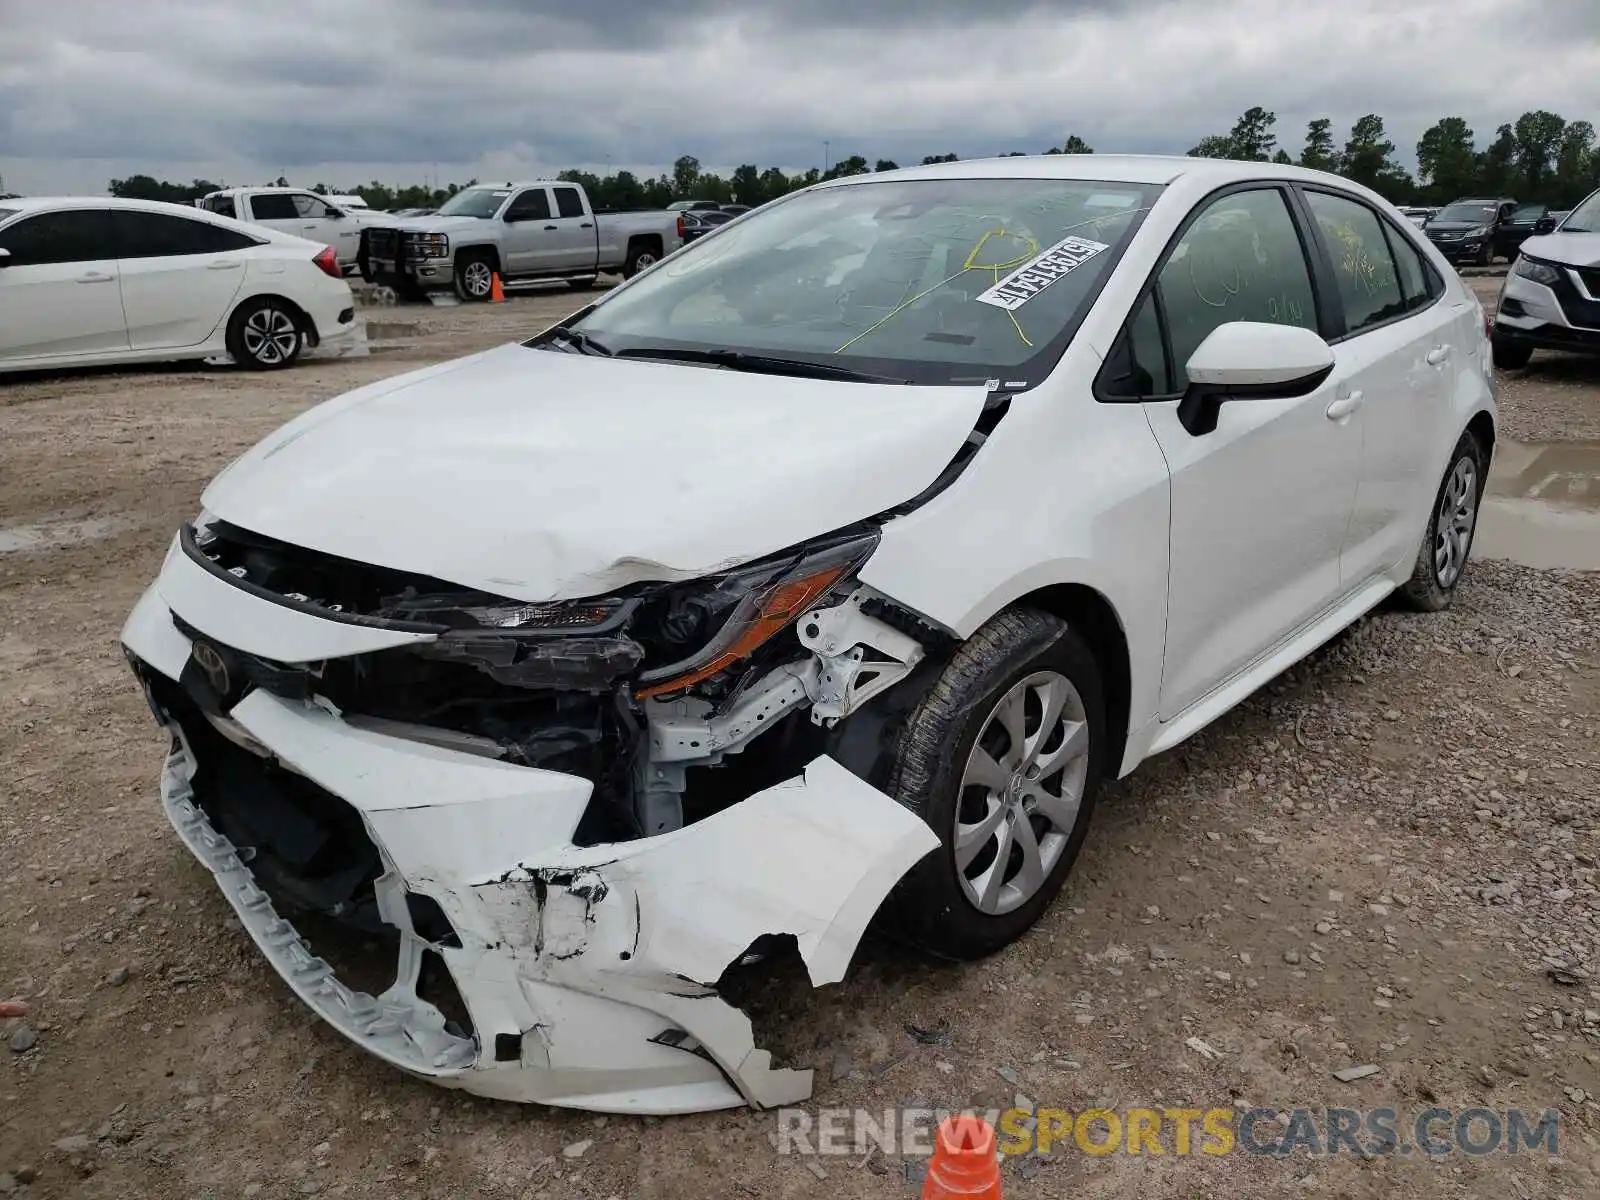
x=1111 y=168
x=259 y=233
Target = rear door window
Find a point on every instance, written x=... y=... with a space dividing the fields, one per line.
x=1369 y=282
x=568 y=202
x=162 y=235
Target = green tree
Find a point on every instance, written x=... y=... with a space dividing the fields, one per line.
x=931 y=159
x=1368 y=159
x=1251 y=139
x=1281 y=157
x=1497 y=166
x=1538 y=137
x=886 y=164
x=685 y=176
x=853 y=165
x=1576 y=165
x=1319 y=153
x=1215 y=146
x=1076 y=145
x=1447 y=162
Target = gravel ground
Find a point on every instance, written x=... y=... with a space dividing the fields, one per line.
x=1388 y=857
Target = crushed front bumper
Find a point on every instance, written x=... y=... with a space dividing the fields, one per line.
x=588 y=972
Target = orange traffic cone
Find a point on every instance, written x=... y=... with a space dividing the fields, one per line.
x=964 y=1165
x=497 y=294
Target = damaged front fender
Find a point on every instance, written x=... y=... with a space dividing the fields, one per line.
x=589 y=971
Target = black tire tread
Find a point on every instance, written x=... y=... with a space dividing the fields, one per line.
x=1422 y=592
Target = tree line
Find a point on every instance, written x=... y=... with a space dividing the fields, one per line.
x=1540 y=157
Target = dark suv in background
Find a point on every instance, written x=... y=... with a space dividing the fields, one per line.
x=1466 y=230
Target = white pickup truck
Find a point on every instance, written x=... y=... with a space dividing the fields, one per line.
x=543 y=229
x=298 y=211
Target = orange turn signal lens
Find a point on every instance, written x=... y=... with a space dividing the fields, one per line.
x=784 y=601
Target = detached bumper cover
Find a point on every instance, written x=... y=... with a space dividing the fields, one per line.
x=588 y=972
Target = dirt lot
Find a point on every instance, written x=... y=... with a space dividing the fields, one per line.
x=1388 y=857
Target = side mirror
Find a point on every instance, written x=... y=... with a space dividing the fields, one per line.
x=335 y=214
x=1251 y=360
x=5 y=257
x=1544 y=225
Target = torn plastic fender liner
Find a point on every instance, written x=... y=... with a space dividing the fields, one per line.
x=647 y=923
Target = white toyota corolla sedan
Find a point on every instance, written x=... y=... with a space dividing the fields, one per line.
x=92 y=280
x=819 y=574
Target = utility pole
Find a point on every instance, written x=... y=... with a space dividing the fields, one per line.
x=825 y=159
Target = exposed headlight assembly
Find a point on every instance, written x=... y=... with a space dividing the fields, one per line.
x=1536 y=270
x=747 y=607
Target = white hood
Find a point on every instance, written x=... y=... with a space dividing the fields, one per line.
x=541 y=475
x=1571 y=249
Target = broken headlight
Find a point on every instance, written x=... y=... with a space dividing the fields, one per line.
x=730 y=616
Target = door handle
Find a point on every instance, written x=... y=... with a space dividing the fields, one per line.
x=310 y=226
x=552 y=227
x=1437 y=355
x=1344 y=406
x=223 y=264
x=96 y=277
x=587 y=225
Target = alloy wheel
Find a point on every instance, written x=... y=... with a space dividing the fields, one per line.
x=1021 y=791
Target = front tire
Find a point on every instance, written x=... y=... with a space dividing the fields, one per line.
x=1003 y=759
x=1485 y=255
x=1452 y=524
x=474 y=277
x=264 y=334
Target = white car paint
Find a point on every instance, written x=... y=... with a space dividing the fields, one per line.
x=1224 y=553
x=153 y=307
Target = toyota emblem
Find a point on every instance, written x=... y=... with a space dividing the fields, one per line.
x=210 y=661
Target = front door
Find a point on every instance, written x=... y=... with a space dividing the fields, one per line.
x=1259 y=504
x=59 y=293
x=529 y=226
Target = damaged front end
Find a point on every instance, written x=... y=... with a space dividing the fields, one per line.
x=565 y=819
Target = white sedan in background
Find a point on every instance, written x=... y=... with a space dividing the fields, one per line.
x=87 y=281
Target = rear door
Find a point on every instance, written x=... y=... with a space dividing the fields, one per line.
x=179 y=276
x=572 y=242
x=58 y=289
x=529 y=222
x=1398 y=341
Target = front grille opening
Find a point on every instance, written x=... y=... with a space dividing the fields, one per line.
x=429 y=923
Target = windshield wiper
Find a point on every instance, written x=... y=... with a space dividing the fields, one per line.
x=761 y=364
x=575 y=337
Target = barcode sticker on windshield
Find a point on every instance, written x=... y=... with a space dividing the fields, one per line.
x=1026 y=282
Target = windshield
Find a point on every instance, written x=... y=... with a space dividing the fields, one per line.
x=935 y=280
x=475 y=202
x=1474 y=214
x=1585 y=218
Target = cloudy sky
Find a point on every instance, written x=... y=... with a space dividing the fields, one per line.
x=399 y=90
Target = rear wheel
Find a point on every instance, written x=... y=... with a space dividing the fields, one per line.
x=474 y=276
x=640 y=256
x=264 y=334
x=1509 y=356
x=1452 y=522
x=1002 y=759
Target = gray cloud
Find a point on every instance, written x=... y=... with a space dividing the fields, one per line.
x=488 y=87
